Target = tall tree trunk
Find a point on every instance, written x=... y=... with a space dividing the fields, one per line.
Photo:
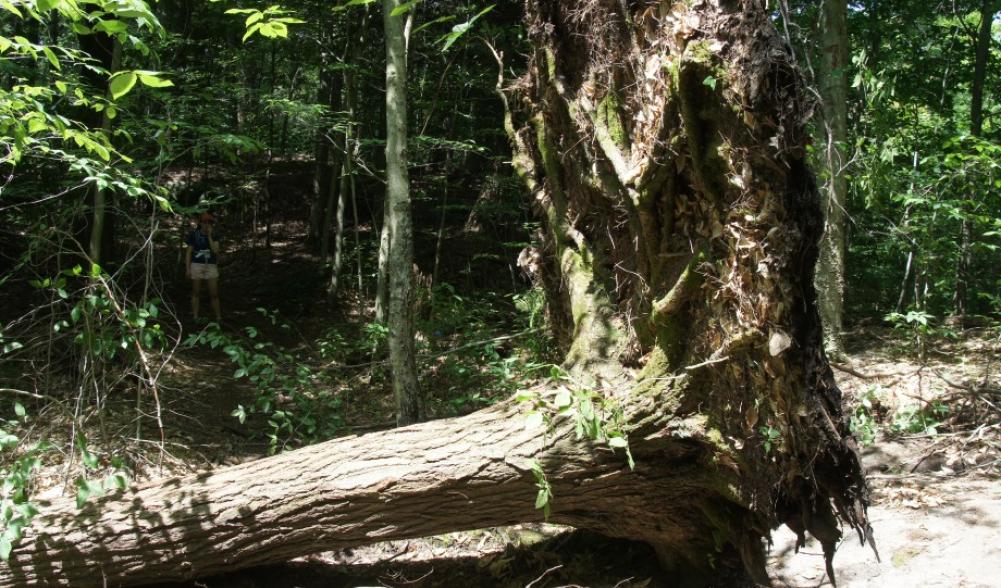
x=333 y=198
x=664 y=148
x=398 y=220
x=322 y=172
x=108 y=53
x=342 y=203
x=982 y=56
x=834 y=91
x=347 y=181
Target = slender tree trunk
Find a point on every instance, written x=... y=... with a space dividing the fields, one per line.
x=357 y=224
x=98 y=226
x=981 y=57
x=834 y=91
x=329 y=208
x=322 y=172
x=382 y=270
x=347 y=168
x=681 y=227
x=409 y=407
x=342 y=203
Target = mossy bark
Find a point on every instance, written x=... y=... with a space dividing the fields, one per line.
x=673 y=154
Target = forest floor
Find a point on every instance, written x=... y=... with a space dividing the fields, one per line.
x=931 y=432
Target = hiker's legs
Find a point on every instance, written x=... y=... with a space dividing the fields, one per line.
x=214 y=297
x=196 y=291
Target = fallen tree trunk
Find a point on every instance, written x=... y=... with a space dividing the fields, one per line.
x=448 y=475
x=663 y=145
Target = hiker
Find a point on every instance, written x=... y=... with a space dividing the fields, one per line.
x=202 y=262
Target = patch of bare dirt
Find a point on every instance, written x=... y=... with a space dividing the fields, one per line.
x=934 y=466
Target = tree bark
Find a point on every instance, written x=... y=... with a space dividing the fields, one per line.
x=664 y=148
x=101 y=232
x=359 y=490
x=834 y=91
x=400 y=323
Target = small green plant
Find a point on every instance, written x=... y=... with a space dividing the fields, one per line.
x=373 y=336
x=918 y=323
x=772 y=437
x=919 y=419
x=18 y=472
x=544 y=498
x=532 y=305
x=332 y=345
x=594 y=416
x=288 y=391
x=92 y=487
x=863 y=417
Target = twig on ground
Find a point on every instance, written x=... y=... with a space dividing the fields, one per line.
x=864 y=376
x=22 y=393
x=708 y=362
x=544 y=574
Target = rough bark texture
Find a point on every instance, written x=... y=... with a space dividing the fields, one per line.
x=399 y=223
x=834 y=91
x=663 y=146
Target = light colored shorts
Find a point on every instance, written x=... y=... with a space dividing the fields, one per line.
x=204 y=271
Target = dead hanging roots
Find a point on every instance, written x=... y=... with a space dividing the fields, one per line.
x=672 y=151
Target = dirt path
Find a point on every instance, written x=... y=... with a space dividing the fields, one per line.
x=933 y=532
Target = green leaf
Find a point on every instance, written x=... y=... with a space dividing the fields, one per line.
x=51 y=56
x=618 y=442
x=5 y=548
x=563 y=399
x=542 y=498
x=461 y=29
x=19 y=409
x=10 y=8
x=709 y=81
x=534 y=420
x=122 y=83
x=250 y=31
x=82 y=494
x=27 y=510
x=350 y=3
x=438 y=20
x=404 y=8
x=153 y=80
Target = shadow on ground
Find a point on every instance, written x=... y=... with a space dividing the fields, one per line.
x=575 y=558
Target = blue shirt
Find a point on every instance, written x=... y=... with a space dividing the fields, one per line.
x=198 y=241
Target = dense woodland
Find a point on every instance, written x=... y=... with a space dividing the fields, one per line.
x=600 y=263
